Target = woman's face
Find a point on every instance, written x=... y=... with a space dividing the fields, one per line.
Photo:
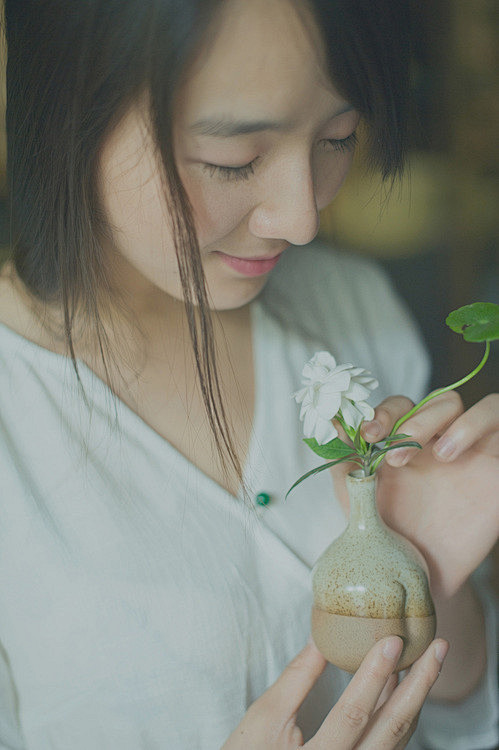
x=262 y=143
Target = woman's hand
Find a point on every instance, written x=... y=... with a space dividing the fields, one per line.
x=445 y=498
x=372 y=714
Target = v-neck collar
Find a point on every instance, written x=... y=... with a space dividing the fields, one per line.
x=104 y=398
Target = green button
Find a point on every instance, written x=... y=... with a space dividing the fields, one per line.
x=262 y=499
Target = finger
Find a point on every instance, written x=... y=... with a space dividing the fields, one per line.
x=346 y=722
x=385 y=416
x=390 y=686
x=427 y=423
x=288 y=692
x=478 y=422
x=396 y=720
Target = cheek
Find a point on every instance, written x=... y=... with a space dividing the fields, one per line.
x=330 y=175
x=138 y=218
x=133 y=199
x=219 y=208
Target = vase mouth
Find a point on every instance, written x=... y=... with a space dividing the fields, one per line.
x=358 y=476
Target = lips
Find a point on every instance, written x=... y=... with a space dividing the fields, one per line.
x=250 y=266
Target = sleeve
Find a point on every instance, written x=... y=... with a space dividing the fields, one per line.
x=471 y=724
x=10 y=730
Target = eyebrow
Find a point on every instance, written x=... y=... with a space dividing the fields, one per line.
x=229 y=128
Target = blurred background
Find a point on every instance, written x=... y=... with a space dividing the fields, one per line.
x=436 y=232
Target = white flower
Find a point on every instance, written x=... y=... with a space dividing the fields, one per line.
x=354 y=407
x=328 y=389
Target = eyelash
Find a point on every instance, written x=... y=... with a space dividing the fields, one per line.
x=343 y=145
x=244 y=172
x=232 y=173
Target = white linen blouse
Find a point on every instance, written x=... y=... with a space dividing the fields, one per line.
x=142 y=606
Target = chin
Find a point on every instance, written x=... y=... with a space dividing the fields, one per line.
x=236 y=294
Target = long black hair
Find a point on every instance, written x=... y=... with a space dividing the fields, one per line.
x=73 y=70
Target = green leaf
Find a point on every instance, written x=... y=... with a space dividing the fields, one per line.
x=476 y=322
x=336 y=448
x=323 y=467
x=382 y=451
x=391 y=438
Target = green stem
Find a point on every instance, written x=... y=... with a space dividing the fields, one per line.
x=351 y=432
x=438 y=392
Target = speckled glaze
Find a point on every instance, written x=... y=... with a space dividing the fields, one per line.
x=369 y=583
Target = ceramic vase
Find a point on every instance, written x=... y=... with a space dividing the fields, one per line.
x=370 y=583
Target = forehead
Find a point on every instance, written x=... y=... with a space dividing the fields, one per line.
x=258 y=53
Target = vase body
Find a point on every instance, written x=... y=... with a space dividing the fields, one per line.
x=370 y=583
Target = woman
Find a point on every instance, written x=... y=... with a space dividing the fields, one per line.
x=163 y=158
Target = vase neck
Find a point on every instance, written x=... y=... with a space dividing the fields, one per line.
x=363 y=510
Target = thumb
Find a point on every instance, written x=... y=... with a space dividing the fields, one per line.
x=296 y=681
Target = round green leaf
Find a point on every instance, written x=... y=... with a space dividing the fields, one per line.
x=476 y=322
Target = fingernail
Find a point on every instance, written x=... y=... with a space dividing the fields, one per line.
x=392 y=648
x=440 y=650
x=372 y=430
x=398 y=457
x=445 y=447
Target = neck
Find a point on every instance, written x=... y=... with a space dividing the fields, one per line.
x=143 y=325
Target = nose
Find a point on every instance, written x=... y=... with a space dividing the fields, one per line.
x=289 y=209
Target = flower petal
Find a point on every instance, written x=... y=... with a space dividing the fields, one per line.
x=350 y=413
x=325 y=359
x=299 y=396
x=327 y=404
x=337 y=381
x=309 y=422
x=357 y=392
x=324 y=431
x=366 y=410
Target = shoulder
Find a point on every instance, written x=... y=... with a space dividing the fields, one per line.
x=24 y=316
x=27 y=359
x=13 y=309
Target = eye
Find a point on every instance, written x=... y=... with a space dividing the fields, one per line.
x=342 y=145
x=231 y=173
